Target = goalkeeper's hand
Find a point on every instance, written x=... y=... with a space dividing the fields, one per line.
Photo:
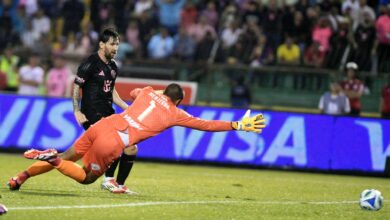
x=247 y=123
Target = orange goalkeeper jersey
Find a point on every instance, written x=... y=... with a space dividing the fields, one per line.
x=151 y=113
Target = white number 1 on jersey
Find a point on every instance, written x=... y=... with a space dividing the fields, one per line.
x=147 y=111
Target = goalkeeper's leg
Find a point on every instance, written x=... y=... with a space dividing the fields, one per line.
x=39 y=168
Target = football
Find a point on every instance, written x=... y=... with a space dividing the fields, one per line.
x=371 y=199
x=3 y=209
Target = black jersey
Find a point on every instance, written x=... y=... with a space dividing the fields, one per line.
x=97 y=81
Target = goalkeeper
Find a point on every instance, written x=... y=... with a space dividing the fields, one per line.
x=151 y=113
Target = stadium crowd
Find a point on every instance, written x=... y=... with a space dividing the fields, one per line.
x=319 y=34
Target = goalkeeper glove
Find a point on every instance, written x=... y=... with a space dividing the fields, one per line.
x=254 y=124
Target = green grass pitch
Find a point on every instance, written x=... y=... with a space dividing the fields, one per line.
x=191 y=192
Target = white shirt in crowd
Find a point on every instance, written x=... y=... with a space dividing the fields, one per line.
x=230 y=36
x=41 y=25
x=30 y=73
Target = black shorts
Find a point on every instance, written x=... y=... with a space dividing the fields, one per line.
x=92 y=119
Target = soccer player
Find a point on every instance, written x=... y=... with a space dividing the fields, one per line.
x=96 y=77
x=151 y=113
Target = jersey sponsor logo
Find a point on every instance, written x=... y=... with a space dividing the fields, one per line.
x=107 y=85
x=131 y=122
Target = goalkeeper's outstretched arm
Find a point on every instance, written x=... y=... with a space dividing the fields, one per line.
x=253 y=124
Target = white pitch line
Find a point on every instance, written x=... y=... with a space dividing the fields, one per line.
x=179 y=203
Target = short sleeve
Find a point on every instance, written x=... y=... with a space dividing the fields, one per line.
x=83 y=74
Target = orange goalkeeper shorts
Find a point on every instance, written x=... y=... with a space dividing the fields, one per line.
x=99 y=146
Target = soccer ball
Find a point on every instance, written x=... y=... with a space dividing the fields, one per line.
x=371 y=199
x=3 y=209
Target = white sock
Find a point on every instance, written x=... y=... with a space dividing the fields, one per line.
x=107 y=178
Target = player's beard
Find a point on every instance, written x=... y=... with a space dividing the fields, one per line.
x=110 y=55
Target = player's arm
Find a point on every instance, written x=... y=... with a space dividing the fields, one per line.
x=81 y=77
x=118 y=101
x=80 y=117
x=255 y=123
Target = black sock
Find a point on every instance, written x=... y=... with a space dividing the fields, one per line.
x=125 y=166
x=111 y=170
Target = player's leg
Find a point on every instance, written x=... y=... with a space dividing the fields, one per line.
x=40 y=167
x=109 y=180
x=126 y=164
x=73 y=153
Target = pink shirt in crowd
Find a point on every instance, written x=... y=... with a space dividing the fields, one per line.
x=57 y=80
x=322 y=35
x=383 y=29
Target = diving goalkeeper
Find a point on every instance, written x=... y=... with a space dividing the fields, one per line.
x=151 y=113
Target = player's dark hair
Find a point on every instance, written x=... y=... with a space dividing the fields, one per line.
x=174 y=92
x=106 y=34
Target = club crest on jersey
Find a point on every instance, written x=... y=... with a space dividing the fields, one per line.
x=113 y=73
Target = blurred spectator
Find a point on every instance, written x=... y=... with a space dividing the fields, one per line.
x=188 y=15
x=43 y=47
x=161 y=45
x=351 y=6
x=364 y=12
x=382 y=43
x=125 y=50
x=75 y=46
x=141 y=6
x=3 y=81
x=132 y=37
x=314 y=55
x=20 y=21
x=240 y=94
x=322 y=33
x=184 y=46
x=363 y=42
x=288 y=13
x=353 y=88
x=334 y=102
x=31 y=76
x=57 y=78
x=9 y=67
x=7 y=14
x=29 y=36
x=146 y=26
x=339 y=42
x=272 y=25
x=230 y=35
x=73 y=13
x=203 y=49
x=288 y=53
x=198 y=30
x=242 y=50
x=384 y=106
x=169 y=13
x=299 y=30
x=334 y=18
x=261 y=54
x=31 y=6
x=253 y=11
x=211 y=14
x=41 y=23
x=229 y=15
